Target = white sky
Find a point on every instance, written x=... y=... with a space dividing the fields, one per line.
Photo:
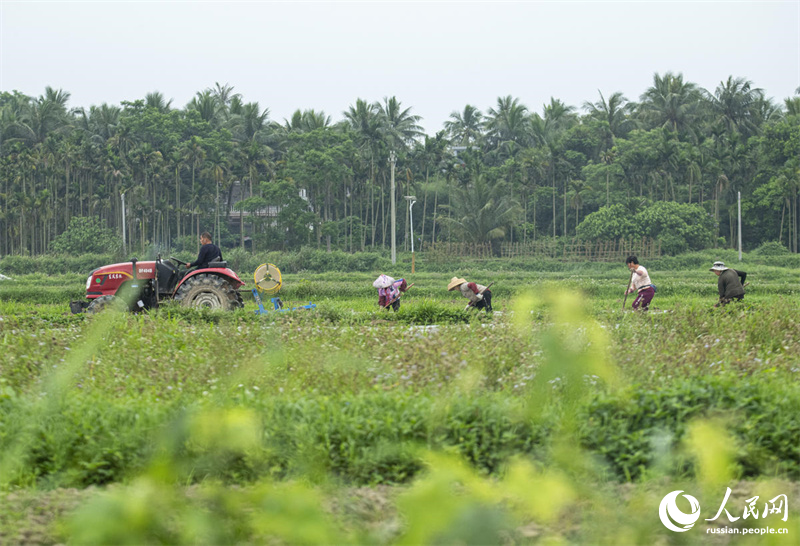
x=434 y=56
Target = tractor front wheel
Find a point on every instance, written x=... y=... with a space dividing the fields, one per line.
x=105 y=302
x=208 y=291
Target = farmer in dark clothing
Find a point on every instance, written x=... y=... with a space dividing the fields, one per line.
x=209 y=252
x=730 y=283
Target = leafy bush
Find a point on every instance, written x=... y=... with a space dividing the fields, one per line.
x=92 y=441
x=678 y=226
x=771 y=248
x=622 y=428
x=373 y=438
x=86 y=235
x=610 y=223
x=364 y=439
x=426 y=311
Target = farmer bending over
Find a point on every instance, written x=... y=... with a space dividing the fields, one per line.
x=640 y=283
x=389 y=291
x=478 y=295
x=209 y=252
x=730 y=283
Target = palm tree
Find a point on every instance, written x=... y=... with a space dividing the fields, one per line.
x=607 y=157
x=216 y=167
x=177 y=163
x=364 y=120
x=307 y=120
x=207 y=105
x=250 y=123
x=733 y=105
x=157 y=101
x=693 y=170
x=579 y=187
x=671 y=103
x=669 y=157
x=792 y=105
x=193 y=154
x=508 y=124
x=548 y=131
x=482 y=212
x=559 y=116
x=226 y=100
x=789 y=181
x=10 y=113
x=399 y=126
x=58 y=97
x=148 y=157
x=431 y=157
x=465 y=128
x=614 y=112
x=765 y=110
x=255 y=159
x=41 y=117
x=100 y=123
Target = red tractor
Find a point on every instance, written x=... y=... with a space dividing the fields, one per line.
x=142 y=285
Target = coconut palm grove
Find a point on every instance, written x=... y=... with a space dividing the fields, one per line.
x=668 y=165
x=506 y=380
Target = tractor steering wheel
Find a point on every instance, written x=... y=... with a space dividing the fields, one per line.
x=176 y=260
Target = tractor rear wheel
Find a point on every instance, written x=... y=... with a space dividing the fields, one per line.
x=105 y=302
x=208 y=291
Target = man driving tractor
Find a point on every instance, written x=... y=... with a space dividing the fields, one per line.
x=209 y=252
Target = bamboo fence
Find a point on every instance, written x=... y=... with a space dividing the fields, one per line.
x=568 y=251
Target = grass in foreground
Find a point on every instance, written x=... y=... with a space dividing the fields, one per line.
x=323 y=400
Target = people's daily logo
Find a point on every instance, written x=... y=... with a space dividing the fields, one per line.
x=671 y=515
x=675 y=519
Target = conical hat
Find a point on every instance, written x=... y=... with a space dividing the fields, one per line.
x=384 y=281
x=455 y=282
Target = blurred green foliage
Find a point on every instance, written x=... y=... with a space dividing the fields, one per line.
x=233 y=428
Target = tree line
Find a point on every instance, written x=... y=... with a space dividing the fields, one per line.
x=506 y=174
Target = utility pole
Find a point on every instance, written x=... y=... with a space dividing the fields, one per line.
x=739 y=202
x=124 y=244
x=411 y=200
x=392 y=160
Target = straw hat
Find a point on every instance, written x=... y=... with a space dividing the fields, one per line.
x=718 y=266
x=455 y=282
x=384 y=281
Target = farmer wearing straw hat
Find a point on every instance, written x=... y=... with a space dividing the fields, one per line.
x=389 y=291
x=640 y=283
x=730 y=283
x=478 y=295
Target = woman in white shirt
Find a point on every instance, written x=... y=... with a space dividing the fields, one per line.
x=640 y=283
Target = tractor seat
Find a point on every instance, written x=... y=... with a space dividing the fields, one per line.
x=218 y=264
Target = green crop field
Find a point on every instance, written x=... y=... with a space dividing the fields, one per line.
x=559 y=419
